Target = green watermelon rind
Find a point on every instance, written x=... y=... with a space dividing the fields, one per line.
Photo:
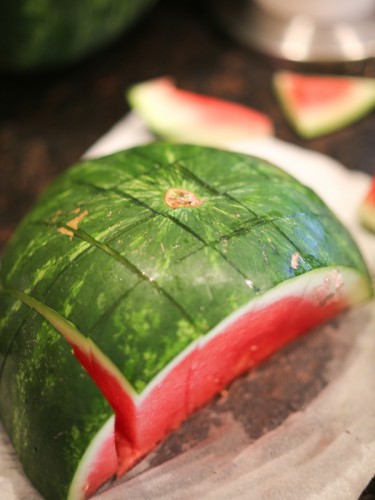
x=39 y=258
x=63 y=247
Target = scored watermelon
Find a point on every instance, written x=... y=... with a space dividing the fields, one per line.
x=367 y=208
x=320 y=104
x=167 y=270
x=182 y=116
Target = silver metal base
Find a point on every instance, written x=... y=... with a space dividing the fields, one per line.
x=299 y=38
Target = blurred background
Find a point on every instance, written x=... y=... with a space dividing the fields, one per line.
x=59 y=95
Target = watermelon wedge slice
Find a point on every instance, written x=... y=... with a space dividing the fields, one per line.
x=140 y=286
x=320 y=104
x=179 y=115
x=367 y=208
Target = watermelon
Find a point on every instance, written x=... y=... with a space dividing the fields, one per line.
x=53 y=33
x=141 y=285
x=180 y=115
x=320 y=104
x=367 y=208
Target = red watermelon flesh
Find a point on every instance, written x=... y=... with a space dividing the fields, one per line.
x=367 y=208
x=184 y=116
x=321 y=104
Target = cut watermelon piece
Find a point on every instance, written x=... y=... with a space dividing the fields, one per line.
x=182 y=116
x=167 y=270
x=367 y=208
x=319 y=104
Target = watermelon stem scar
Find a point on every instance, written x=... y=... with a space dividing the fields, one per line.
x=178 y=198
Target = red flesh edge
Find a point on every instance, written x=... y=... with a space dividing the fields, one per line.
x=200 y=375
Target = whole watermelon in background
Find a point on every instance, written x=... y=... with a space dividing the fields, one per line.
x=51 y=33
x=168 y=270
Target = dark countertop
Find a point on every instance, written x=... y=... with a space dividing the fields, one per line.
x=49 y=119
